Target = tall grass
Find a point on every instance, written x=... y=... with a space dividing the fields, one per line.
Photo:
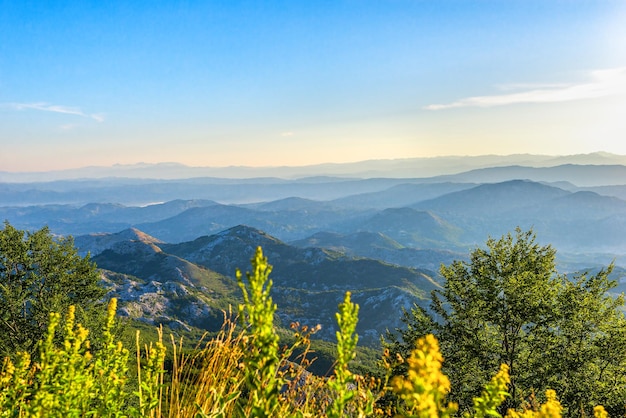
x=208 y=382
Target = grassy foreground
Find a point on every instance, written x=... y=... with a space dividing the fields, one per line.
x=242 y=372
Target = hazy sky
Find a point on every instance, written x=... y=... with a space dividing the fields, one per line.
x=219 y=83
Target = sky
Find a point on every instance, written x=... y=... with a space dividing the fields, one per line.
x=290 y=83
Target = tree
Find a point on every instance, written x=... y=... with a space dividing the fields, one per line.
x=587 y=346
x=39 y=275
x=508 y=305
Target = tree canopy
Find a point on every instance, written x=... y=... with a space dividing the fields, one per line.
x=40 y=274
x=509 y=305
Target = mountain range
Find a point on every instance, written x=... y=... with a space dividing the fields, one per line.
x=169 y=248
x=191 y=283
x=456 y=219
x=392 y=168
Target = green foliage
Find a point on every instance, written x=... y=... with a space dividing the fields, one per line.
x=229 y=377
x=150 y=378
x=508 y=305
x=68 y=380
x=418 y=323
x=40 y=275
x=493 y=307
x=111 y=369
x=493 y=395
x=262 y=360
x=343 y=383
x=587 y=347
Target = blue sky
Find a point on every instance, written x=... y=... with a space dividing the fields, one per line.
x=220 y=83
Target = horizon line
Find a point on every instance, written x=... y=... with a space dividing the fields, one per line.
x=173 y=164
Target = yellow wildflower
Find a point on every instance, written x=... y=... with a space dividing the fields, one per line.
x=425 y=387
x=550 y=409
x=600 y=412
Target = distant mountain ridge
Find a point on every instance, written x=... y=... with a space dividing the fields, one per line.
x=492 y=198
x=381 y=247
x=405 y=167
x=414 y=228
x=347 y=192
x=581 y=175
x=457 y=218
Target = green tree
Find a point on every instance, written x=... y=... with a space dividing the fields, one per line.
x=587 y=346
x=508 y=305
x=40 y=275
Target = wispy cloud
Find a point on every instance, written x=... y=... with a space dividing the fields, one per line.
x=601 y=83
x=68 y=127
x=98 y=117
x=287 y=133
x=46 y=107
x=531 y=86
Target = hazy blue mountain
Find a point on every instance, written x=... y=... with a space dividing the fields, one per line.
x=487 y=200
x=400 y=195
x=202 y=221
x=580 y=175
x=594 y=158
x=378 y=246
x=141 y=192
x=349 y=243
x=413 y=228
x=576 y=206
x=406 y=167
x=571 y=221
x=457 y=219
x=293 y=204
x=288 y=224
x=618 y=191
x=93 y=217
